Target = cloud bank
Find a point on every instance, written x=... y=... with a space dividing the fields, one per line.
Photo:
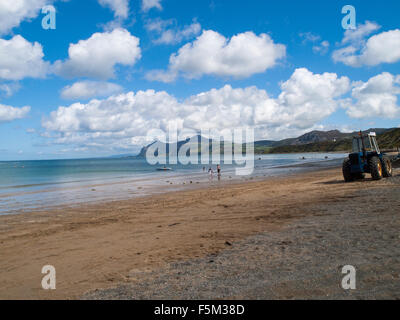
x=8 y=113
x=211 y=53
x=125 y=120
x=377 y=49
x=98 y=56
x=21 y=59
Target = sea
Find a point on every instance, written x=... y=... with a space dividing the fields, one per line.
x=27 y=186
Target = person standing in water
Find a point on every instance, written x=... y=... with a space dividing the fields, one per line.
x=211 y=173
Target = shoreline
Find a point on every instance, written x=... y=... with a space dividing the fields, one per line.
x=49 y=196
x=98 y=245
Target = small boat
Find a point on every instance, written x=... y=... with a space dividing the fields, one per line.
x=164 y=169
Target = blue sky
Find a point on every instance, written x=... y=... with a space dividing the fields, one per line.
x=283 y=67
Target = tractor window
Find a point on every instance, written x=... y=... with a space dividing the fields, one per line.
x=367 y=143
x=357 y=145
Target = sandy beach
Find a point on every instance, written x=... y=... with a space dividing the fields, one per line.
x=283 y=237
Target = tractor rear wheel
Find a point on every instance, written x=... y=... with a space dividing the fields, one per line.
x=348 y=176
x=375 y=167
x=387 y=167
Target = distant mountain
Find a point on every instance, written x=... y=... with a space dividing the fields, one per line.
x=119 y=156
x=265 y=143
x=177 y=146
x=314 y=137
x=322 y=136
x=314 y=141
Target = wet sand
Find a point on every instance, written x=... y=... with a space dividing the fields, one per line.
x=138 y=246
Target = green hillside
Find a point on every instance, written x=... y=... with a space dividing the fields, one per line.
x=388 y=140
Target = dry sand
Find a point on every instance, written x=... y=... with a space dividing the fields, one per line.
x=211 y=242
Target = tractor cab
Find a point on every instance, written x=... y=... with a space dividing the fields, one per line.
x=365 y=143
x=366 y=157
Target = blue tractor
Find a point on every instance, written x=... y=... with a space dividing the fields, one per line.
x=366 y=158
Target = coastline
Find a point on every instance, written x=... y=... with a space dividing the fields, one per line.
x=45 y=190
x=97 y=246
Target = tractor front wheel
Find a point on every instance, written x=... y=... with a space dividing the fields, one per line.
x=387 y=167
x=376 y=169
x=348 y=176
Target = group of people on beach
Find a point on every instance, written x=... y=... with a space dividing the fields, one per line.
x=211 y=172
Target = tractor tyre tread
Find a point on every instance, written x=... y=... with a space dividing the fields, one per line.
x=387 y=167
x=375 y=167
x=346 y=168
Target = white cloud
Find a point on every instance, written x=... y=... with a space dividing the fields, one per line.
x=130 y=111
x=359 y=34
x=169 y=33
x=212 y=54
x=309 y=37
x=9 y=89
x=89 y=89
x=8 y=113
x=375 y=98
x=120 y=7
x=309 y=98
x=97 y=56
x=161 y=75
x=21 y=59
x=381 y=48
x=13 y=12
x=112 y=123
x=125 y=120
x=149 y=4
x=346 y=55
x=322 y=48
x=305 y=99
